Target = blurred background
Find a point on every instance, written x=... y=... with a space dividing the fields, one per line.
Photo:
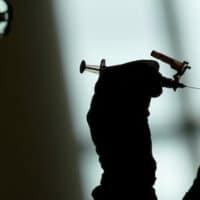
x=47 y=152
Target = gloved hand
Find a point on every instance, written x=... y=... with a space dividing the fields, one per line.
x=119 y=129
x=141 y=76
x=127 y=88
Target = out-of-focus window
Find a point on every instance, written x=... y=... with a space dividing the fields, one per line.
x=122 y=31
x=5 y=12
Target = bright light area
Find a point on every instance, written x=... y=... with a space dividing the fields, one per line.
x=3 y=6
x=173 y=163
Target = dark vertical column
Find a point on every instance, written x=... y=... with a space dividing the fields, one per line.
x=38 y=151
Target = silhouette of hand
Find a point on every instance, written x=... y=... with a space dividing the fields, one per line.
x=119 y=129
x=140 y=77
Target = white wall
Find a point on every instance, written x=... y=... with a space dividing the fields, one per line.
x=122 y=31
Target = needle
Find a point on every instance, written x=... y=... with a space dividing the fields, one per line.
x=197 y=88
